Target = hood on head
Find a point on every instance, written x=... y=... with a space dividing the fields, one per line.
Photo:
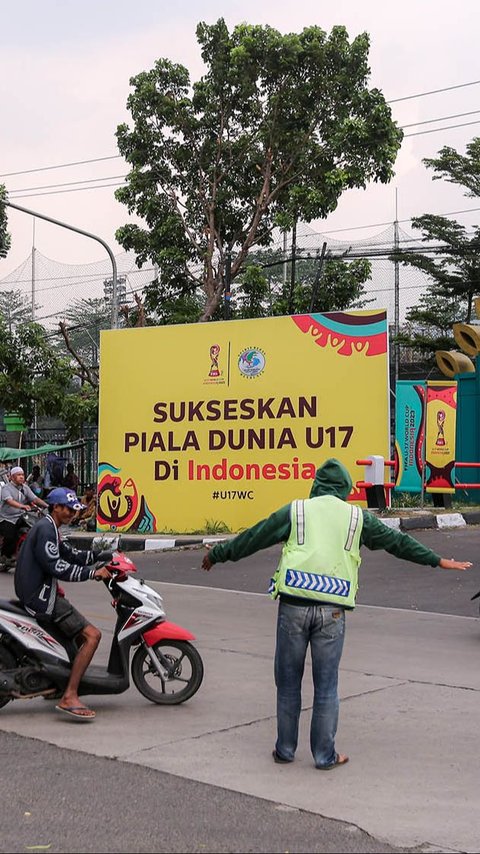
x=332 y=478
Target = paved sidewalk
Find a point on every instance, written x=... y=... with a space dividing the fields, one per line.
x=410 y=689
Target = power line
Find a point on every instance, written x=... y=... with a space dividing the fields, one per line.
x=68 y=183
x=73 y=190
x=101 y=186
x=117 y=156
x=108 y=177
x=442 y=119
x=433 y=92
x=435 y=130
x=60 y=165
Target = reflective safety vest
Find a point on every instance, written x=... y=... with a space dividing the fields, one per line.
x=321 y=557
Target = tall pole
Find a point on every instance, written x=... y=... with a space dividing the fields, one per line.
x=33 y=270
x=114 y=316
x=35 y=423
x=318 y=276
x=228 y=277
x=284 y=262
x=292 y=270
x=396 y=265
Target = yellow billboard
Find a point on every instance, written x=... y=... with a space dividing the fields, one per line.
x=217 y=424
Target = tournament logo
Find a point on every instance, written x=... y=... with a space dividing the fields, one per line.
x=251 y=362
x=215 y=374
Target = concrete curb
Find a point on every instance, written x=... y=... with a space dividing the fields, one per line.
x=140 y=542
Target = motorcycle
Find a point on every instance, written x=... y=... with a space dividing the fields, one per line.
x=165 y=667
x=29 y=519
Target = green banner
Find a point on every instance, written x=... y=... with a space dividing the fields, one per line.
x=409 y=434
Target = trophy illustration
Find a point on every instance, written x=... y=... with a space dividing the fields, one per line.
x=214 y=370
x=441 y=416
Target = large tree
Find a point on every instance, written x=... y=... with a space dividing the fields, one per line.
x=275 y=130
x=451 y=259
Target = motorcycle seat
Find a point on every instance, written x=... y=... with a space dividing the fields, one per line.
x=12 y=605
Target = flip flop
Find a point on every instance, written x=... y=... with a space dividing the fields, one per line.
x=340 y=759
x=76 y=712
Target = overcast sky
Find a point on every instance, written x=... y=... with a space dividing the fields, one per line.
x=65 y=67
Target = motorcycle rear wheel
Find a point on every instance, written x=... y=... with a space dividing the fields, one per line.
x=7 y=662
x=186 y=672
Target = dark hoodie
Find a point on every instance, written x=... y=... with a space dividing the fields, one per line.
x=331 y=478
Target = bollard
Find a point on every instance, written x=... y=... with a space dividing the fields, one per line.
x=376 y=475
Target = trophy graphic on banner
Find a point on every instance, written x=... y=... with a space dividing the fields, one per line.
x=441 y=416
x=214 y=369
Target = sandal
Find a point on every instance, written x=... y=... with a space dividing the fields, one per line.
x=340 y=759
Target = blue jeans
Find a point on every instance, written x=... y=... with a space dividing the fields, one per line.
x=323 y=627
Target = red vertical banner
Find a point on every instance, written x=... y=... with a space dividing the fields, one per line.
x=440 y=435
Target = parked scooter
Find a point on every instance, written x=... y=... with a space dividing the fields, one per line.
x=29 y=519
x=165 y=667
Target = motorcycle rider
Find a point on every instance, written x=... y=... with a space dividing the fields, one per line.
x=17 y=498
x=43 y=559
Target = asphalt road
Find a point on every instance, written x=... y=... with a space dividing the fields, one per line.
x=56 y=800
x=384 y=580
x=61 y=800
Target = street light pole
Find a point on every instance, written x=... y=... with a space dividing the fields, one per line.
x=114 y=315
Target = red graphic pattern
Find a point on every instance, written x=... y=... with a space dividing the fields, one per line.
x=345 y=344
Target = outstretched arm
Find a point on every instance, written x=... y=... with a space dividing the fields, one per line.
x=450 y=563
x=268 y=532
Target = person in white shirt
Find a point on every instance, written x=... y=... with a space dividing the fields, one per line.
x=17 y=498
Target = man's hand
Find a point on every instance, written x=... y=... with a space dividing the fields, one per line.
x=450 y=563
x=105 y=555
x=206 y=562
x=102 y=573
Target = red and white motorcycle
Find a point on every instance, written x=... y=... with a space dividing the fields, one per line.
x=165 y=667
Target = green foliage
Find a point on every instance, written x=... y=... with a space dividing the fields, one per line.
x=5 y=239
x=276 y=129
x=79 y=408
x=461 y=169
x=32 y=375
x=455 y=271
x=429 y=324
x=263 y=291
x=216 y=526
x=85 y=318
x=15 y=308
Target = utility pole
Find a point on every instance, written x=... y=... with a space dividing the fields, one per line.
x=33 y=271
x=318 y=276
x=284 y=289
x=114 y=317
x=292 y=270
x=228 y=293
x=396 y=265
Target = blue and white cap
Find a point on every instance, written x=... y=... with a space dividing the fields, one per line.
x=60 y=495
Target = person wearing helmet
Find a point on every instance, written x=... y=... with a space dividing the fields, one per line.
x=17 y=498
x=44 y=560
x=316 y=583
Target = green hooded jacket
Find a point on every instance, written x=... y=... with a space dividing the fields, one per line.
x=332 y=478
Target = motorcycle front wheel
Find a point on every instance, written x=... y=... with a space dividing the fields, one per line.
x=185 y=672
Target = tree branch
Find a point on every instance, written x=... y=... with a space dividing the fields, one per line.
x=89 y=373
